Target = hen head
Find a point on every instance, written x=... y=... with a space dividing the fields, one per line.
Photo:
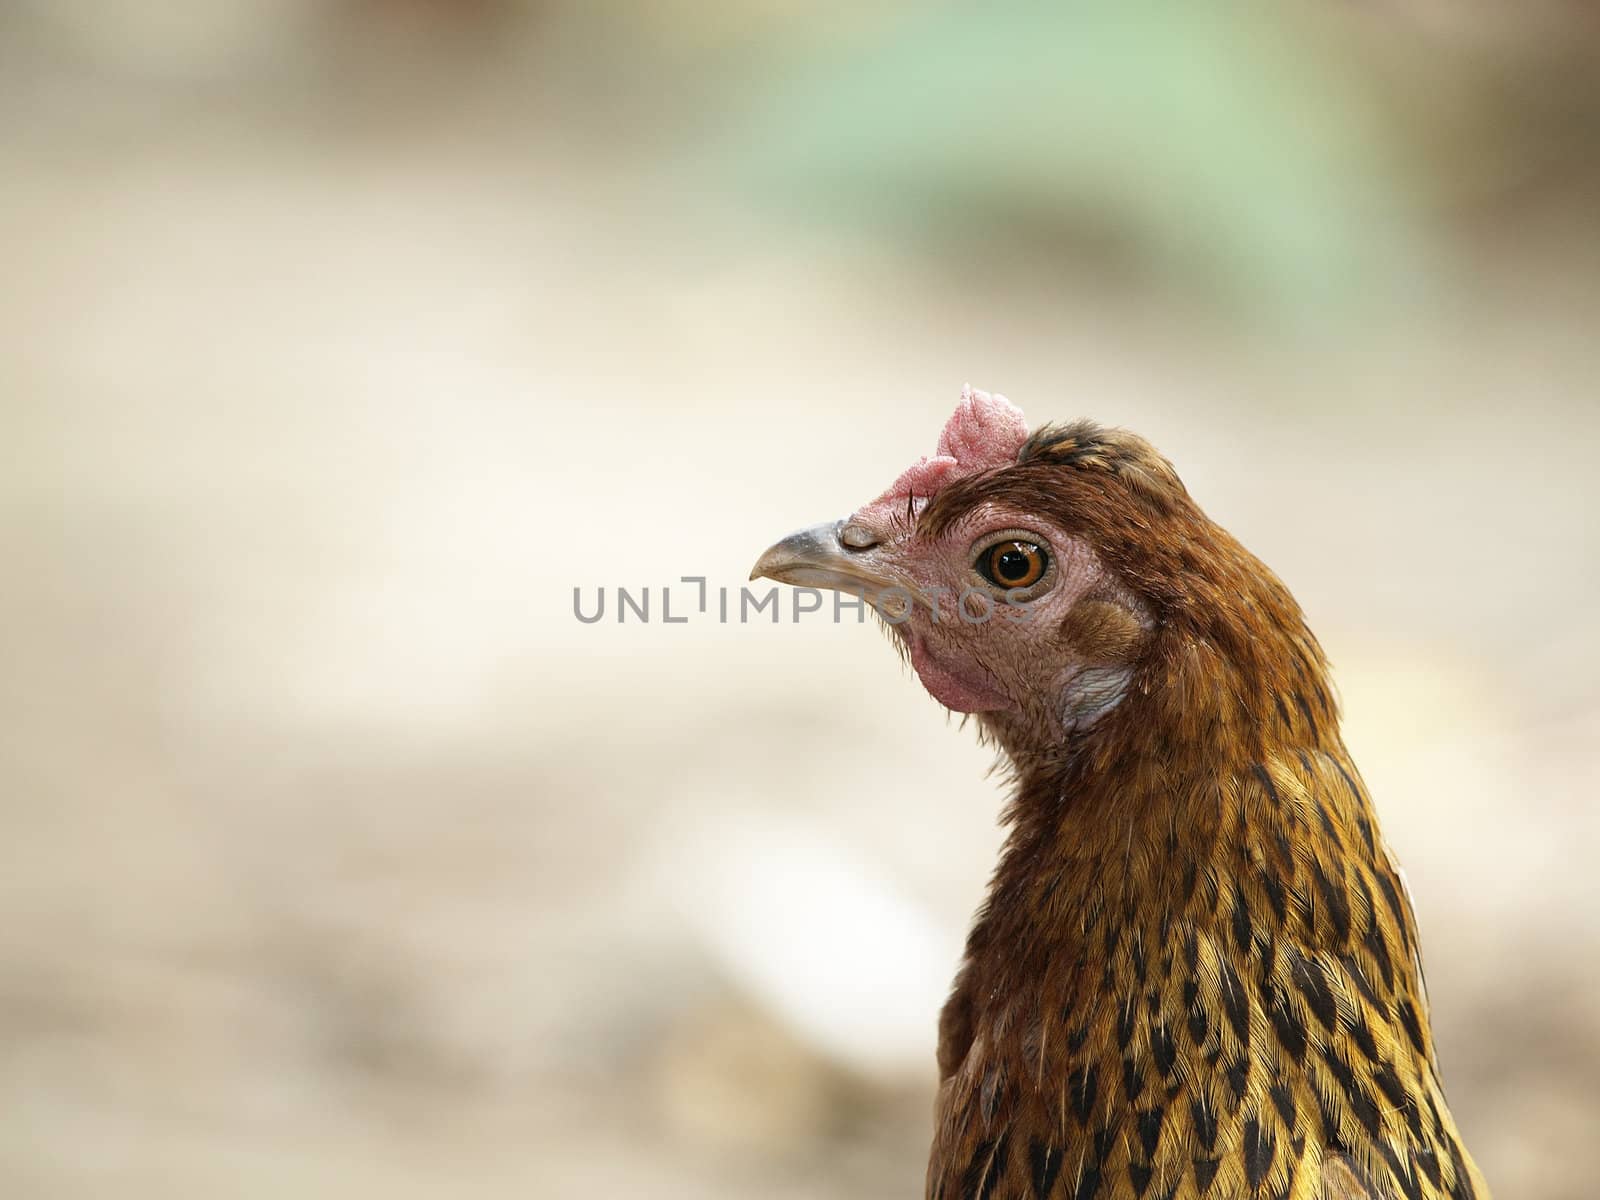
x=1042 y=580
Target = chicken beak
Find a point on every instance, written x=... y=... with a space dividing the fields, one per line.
x=817 y=558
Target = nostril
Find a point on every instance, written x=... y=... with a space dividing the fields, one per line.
x=857 y=537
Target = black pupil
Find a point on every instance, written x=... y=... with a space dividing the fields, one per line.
x=1013 y=564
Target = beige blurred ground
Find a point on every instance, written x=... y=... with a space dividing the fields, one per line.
x=342 y=341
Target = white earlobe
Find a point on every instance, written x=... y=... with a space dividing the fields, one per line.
x=1089 y=693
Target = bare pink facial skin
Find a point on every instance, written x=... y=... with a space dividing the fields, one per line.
x=1003 y=665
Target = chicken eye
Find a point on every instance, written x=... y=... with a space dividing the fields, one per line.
x=1013 y=565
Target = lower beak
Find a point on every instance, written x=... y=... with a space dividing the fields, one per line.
x=816 y=558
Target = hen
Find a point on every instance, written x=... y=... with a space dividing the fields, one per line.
x=1196 y=971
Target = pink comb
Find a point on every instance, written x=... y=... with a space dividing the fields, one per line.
x=983 y=433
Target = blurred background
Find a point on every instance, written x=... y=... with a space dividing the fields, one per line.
x=342 y=340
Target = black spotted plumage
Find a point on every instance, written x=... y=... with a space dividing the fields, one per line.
x=1292 y=1021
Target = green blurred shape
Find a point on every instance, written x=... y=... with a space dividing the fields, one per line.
x=1229 y=148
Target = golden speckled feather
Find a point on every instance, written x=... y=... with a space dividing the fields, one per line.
x=1196 y=973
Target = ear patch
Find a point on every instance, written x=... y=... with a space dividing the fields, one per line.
x=985 y=431
x=1102 y=631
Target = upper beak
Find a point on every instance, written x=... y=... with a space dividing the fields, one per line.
x=816 y=557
